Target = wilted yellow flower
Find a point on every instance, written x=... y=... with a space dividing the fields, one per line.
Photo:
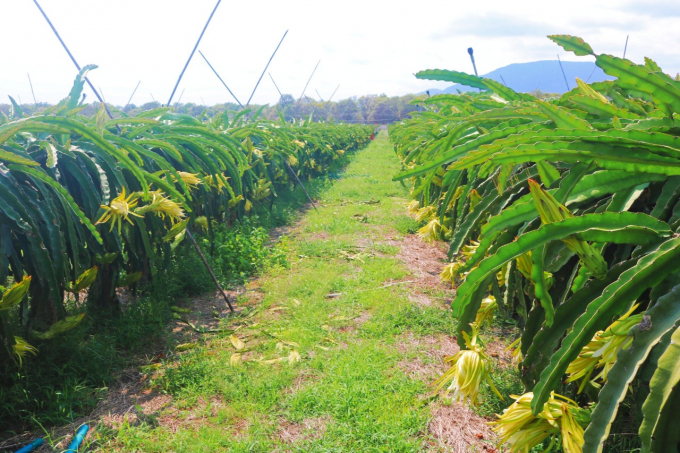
x=454 y=199
x=234 y=201
x=523 y=430
x=432 y=231
x=262 y=190
x=120 y=208
x=525 y=265
x=190 y=179
x=162 y=206
x=424 y=213
x=340 y=152
x=475 y=198
x=601 y=352
x=202 y=222
x=298 y=143
x=469 y=249
x=486 y=311
x=21 y=348
x=215 y=182
x=412 y=207
x=292 y=161
x=515 y=349
x=15 y=294
x=469 y=368
x=450 y=271
x=551 y=211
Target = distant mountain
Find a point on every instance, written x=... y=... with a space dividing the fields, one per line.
x=543 y=75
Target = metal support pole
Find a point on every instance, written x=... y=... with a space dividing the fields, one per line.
x=32 y=92
x=193 y=51
x=207 y=266
x=133 y=93
x=563 y=74
x=309 y=80
x=56 y=33
x=218 y=76
x=265 y=69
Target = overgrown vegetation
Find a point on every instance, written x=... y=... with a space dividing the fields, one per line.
x=562 y=215
x=92 y=208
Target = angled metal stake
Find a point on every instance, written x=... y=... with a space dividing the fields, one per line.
x=31 y=83
x=133 y=93
x=218 y=76
x=308 y=80
x=207 y=266
x=329 y=100
x=319 y=94
x=285 y=104
x=265 y=69
x=56 y=33
x=563 y=74
x=193 y=51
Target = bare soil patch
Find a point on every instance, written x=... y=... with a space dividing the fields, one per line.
x=309 y=429
x=424 y=262
x=457 y=429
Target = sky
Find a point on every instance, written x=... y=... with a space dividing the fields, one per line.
x=365 y=47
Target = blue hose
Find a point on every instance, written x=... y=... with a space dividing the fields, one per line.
x=78 y=439
x=32 y=446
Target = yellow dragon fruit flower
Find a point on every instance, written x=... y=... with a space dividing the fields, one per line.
x=469 y=249
x=475 y=198
x=551 y=211
x=298 y=143
x=234 y=201
x=515 y=349
x=602 y=350
x=469 y=368
x=21 y=348
x=432 y=231
x=292 y=161
x=454 y=199
x=523 y=430
x=486 y=311
x=190 y=179
x=525 y=265
x=120 y=208
x=412 y=207
x=215 y=182
x=162 y=206
x=450 y=271
x=424 y=213
x=202 y=222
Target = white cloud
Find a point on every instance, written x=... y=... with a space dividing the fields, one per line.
x=366 y=47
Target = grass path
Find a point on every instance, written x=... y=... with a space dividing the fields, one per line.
x=337 y=349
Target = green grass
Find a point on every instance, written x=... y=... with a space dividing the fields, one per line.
x=347 y=385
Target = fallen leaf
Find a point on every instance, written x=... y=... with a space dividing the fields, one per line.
x=237 y=342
